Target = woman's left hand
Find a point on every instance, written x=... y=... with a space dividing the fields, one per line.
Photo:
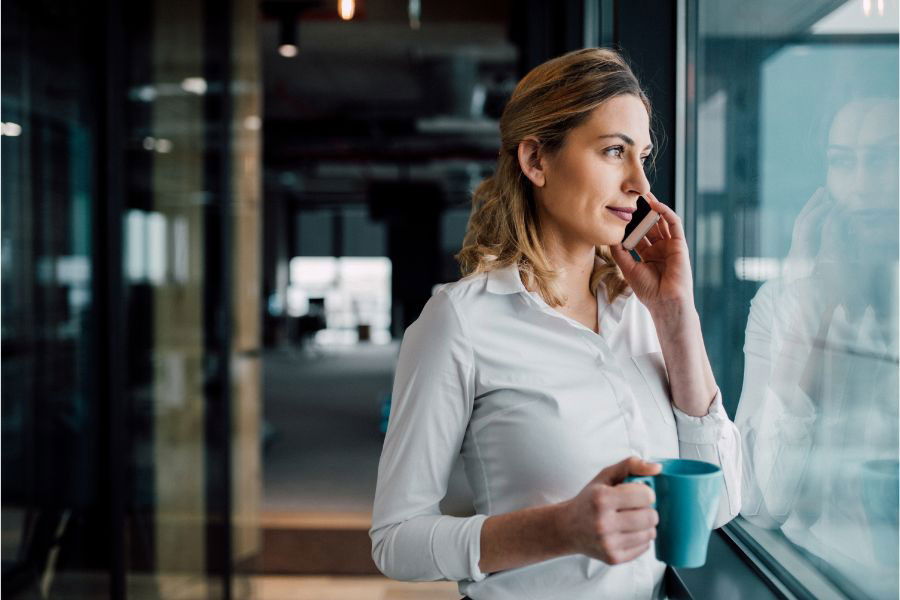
x=662 y=278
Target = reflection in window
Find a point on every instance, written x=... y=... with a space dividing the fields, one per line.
x=803 y=199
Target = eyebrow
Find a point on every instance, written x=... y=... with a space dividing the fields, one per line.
x=884 y=143
x=625 y=139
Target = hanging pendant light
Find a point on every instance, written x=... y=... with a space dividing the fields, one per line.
x=346 y=9
x=287 y=38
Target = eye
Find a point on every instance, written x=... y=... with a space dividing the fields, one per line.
x=644 y=159
x=841 y=161
x=615 y=151
x=838 y=159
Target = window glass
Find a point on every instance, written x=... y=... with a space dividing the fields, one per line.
x=792 y=198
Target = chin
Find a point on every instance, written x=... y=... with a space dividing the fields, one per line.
x=610 y=236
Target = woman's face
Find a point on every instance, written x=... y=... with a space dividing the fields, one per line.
x=862 y=155
x=593 y=181
x=862 y=177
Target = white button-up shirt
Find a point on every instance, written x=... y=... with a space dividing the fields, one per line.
x=537 y=404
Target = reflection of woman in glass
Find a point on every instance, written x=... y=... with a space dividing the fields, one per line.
x=546 y=366
x=819 y=408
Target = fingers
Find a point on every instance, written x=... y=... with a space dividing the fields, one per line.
x=633 y=539
x=623 y=258
x=816 y=201
x=672 y=220
x=621 y=546
x=664 y=227
x=638 y=519
x=655 y=234
x=642 y=246
x=632 y=465
x=623 y=556
x=632 y=496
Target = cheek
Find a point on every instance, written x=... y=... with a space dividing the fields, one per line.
x=840 y=185
x=884 y=178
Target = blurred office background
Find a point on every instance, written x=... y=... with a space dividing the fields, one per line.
x=218 y=218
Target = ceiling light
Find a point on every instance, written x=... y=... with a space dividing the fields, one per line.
x=346 y=8
x=287 y=50
x=287 y=38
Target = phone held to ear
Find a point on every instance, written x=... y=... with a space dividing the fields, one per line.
x=644 y=219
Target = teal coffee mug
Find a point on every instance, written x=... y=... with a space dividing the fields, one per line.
x=687 y=499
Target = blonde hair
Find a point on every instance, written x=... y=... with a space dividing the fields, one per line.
x=548 y=102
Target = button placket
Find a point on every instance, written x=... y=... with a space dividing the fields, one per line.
x=596 y=343
x=539 y=304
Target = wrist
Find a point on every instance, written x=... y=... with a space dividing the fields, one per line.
x=564 y=528
x=673 y=318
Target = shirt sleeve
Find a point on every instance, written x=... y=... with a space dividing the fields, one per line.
x=431 y=405
x=714 y=438
x=775 y=416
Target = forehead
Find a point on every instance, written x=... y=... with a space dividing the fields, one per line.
x=864 y=123
x=622 y=114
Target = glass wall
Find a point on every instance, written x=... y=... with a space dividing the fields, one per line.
x=54 y=448
x=792 y=194
x=130 y=317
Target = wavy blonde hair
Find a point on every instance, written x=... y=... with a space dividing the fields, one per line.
x=548 y=102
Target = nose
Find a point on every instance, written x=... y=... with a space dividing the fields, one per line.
x=636 y=182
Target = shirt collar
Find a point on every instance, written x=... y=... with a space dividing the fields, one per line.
x=505 y=280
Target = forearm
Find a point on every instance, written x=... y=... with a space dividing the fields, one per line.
x=523 y=537
x=691 y=379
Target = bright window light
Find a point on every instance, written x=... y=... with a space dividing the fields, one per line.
x=194 y=85
x=756 y=268
x=355 y=293
x=11 y=129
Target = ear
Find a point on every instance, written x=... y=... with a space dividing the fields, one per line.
x=531 y=161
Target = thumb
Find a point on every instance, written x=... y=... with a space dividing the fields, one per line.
x=615 y=474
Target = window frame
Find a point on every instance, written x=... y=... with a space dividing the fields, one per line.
x=760 y=570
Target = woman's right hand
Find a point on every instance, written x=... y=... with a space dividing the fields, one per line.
x=806 y=236
x=610 y=520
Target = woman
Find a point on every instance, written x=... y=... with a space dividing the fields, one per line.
x=818 y=408
x=545 y=366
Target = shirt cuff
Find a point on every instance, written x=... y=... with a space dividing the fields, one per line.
x=456 y=547
x=707 y=429
x=797 y=418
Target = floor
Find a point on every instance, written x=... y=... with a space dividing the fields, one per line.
x=321 y=464
x=349 y=588
x=325 y=410
x=78 y=586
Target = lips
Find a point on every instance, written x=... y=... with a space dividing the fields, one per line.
x=623 y=212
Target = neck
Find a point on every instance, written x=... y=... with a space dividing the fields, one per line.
x=574 y=262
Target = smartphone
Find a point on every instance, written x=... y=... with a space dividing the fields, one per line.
x=641 y=222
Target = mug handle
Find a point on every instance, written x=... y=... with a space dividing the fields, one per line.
x=645 y=479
